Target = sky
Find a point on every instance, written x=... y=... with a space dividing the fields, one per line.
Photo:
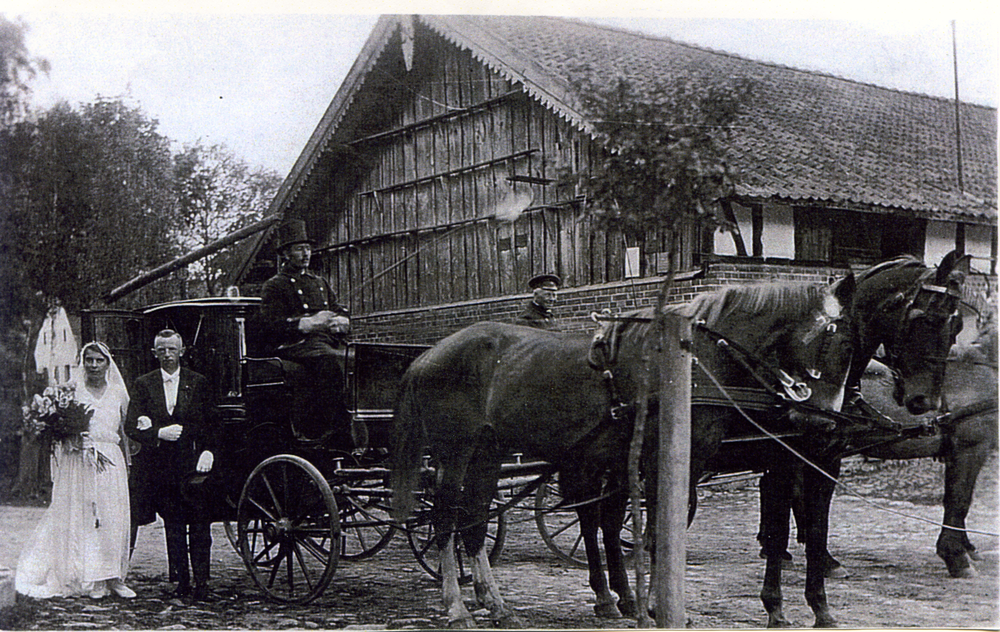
x=259 y=81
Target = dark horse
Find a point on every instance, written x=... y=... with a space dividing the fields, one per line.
x=492 y=389
x=911 y=311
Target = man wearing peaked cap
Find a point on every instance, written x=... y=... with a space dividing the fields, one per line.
x=538 y=312
x=303 y=323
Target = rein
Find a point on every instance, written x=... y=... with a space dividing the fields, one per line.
x=947 y=421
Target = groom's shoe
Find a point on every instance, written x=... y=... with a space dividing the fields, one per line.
x=204 y=594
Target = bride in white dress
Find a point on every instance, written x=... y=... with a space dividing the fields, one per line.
x=81 y=545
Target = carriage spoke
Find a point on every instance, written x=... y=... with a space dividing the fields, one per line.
x=274 y=497
x=276 y=567
x=263 y=510
x=568 y=525
x=318 y=551
x=267 y=549
x=302 y=564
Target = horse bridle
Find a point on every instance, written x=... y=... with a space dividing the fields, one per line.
x=903 y=322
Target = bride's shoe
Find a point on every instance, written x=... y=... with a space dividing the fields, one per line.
x=119 y=588
x=99 y=591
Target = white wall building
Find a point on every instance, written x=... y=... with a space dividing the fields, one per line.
x=56 y=349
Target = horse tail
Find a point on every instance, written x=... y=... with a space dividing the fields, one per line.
x=408 y=441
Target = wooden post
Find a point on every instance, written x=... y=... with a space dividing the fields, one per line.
x=674 y=472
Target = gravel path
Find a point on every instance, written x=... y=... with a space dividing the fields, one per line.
x=896 y=579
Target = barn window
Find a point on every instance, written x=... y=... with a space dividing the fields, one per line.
x=841 y=237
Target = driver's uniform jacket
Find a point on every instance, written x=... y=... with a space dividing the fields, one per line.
x=534 y=315
x=288 y=296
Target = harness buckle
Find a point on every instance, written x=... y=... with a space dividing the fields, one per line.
x=797 y=391
x=619 y=412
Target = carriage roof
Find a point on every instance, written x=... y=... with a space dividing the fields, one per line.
x=239 y=303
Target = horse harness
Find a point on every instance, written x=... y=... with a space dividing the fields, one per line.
x=781 y=389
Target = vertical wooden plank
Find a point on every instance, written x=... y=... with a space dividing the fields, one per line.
x=476 y=150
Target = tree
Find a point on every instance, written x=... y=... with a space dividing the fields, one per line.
x=19 y=305
x=218 y=194
x=95 y=202
x=664 y=168
x=17 y=70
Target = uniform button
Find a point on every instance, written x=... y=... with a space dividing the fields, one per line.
x=299 y=291
x=305 y=305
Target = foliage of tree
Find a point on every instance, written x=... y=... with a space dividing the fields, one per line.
x=94 y=200
x=19 y=304
x=218 y=193
x=17 y=70
x=664 y=166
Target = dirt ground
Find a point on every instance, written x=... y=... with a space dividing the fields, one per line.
x=896 y=580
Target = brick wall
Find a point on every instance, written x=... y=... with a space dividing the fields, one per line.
x=428 y=325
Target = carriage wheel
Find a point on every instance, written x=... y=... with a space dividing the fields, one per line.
x=560 y=529
x=419 y=533
x=288 y=529
x=365 y=525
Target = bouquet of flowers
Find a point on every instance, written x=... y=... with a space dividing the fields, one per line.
x=55 y=416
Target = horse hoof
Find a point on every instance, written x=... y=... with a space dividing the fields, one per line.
x=465 y=623
x=825 y=622
x=628 y=608
x=606 y=611
x=509 y=621
x=836 y=572
x=959 y=566
x=779 y=622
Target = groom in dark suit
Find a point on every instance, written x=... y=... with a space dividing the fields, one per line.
x=170 y=415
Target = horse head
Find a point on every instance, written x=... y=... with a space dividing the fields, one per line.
x=818 y=354
x=913 y=312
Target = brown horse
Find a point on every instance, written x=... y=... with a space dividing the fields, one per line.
x=964 y=435
x=492 y=389
x=910 y=310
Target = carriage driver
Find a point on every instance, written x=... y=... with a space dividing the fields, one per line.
x=538 y=312
x=303 y=323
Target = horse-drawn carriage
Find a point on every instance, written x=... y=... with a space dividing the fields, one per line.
x=291 y=508
x=299 y=506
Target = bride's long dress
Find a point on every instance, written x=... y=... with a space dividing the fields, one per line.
x=83 y=536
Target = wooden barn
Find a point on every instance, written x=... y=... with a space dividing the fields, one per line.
x=446 y=125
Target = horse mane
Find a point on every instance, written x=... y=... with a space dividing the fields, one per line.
x=783 y=301
x=898 y=263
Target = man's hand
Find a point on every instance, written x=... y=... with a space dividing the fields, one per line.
x=170 y=433
x=324 y=321
x=205 y=462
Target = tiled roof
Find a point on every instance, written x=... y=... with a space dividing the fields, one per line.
x=806 y=136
